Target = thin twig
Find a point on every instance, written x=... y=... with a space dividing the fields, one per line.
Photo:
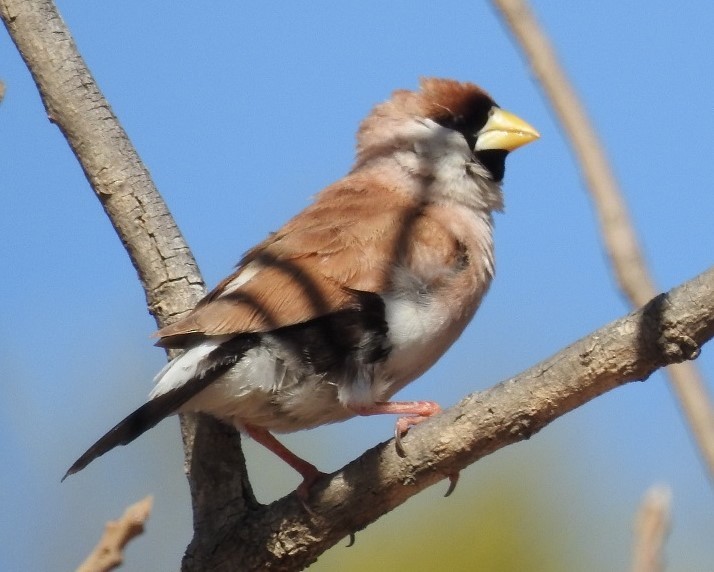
x=108 y=554
x=651 y=529
x=617 y=231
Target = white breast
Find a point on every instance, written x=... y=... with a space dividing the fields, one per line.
x=420 y=331
x=424 y=321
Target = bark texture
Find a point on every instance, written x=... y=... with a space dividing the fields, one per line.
x=164 y=264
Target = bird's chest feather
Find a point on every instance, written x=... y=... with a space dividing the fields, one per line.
x=311 y=374
x=434 y=297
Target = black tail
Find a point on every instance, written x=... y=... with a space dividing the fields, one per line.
x=161 y=406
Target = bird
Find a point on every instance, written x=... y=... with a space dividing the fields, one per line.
x=358 y=294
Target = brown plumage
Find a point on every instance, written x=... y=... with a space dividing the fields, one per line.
x=359 y=293
x=311 y=266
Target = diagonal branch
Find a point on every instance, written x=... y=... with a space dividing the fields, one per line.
x=123 y=185
x=618 y=234
x=108 y=554
x=115 y=172
x=284 y=536
x=652 y=525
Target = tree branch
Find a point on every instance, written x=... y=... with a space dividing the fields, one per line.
x=230 y=527
x=166 y=268
x=115 y=172
x=109 y=552
x=651 y=529
x=618 y=233
x=284 y=536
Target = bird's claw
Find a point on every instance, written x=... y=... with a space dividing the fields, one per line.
x=453 y=481
x=398 y=432
x=303 y=490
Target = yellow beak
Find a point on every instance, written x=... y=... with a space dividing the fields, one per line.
x=504 y=131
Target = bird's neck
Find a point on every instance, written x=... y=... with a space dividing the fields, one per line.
x=448 y=180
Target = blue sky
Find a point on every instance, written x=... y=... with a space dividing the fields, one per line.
x=241 y=112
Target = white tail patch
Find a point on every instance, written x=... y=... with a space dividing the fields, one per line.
x=187 y=366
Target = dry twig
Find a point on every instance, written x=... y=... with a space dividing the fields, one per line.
x=651 y=528
x=617 y=231
x=108 y=554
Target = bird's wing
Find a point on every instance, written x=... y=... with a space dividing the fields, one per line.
x=320 y=263
x=346 y=241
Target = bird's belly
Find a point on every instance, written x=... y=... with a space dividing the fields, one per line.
x=420 y=331
x=267 y=391
x=272 y=387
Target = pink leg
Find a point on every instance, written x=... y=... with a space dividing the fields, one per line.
x=418 y=411
x=308 y=471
